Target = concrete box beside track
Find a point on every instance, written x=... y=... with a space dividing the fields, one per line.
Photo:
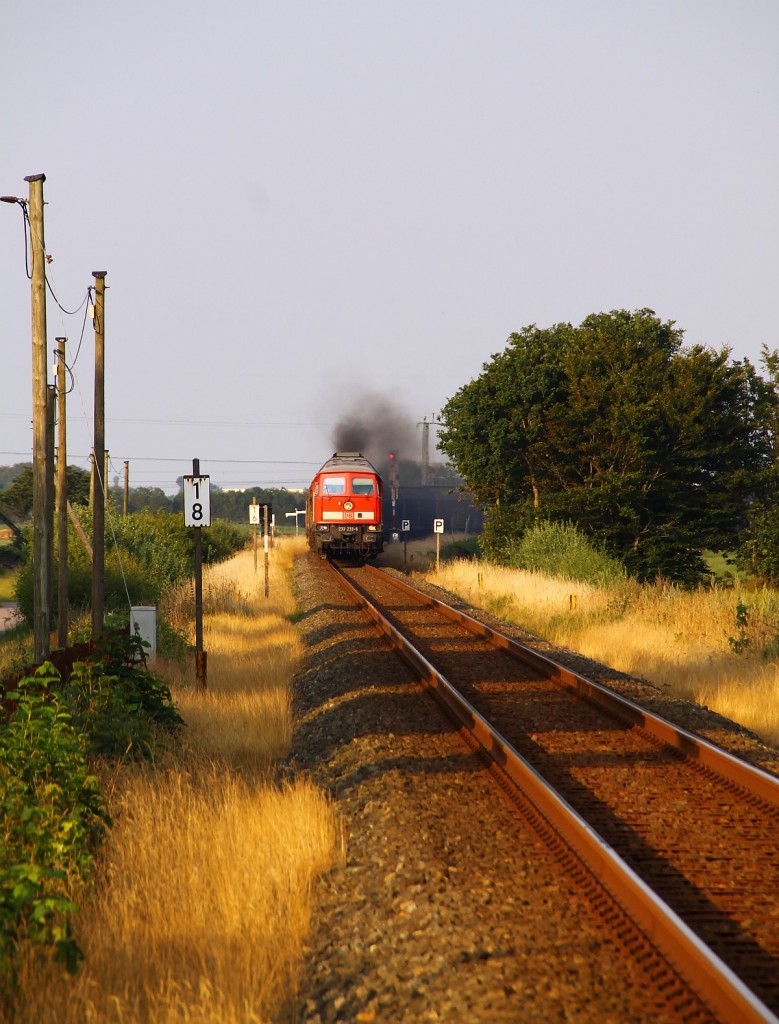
x=143 y=621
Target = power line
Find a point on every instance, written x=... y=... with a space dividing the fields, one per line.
x=241 y=462
x=216 y=423
x=67 y=312
x=188 y=423
x=80 y=340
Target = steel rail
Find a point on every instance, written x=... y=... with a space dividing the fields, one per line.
x=732 y=768
x=715 y=983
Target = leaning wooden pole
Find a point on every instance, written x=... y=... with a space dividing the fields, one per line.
x=41 y=526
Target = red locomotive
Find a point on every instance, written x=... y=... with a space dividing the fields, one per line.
x=343 y=508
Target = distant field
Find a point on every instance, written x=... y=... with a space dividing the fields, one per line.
x=7 y=580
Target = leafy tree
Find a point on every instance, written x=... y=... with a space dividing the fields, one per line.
x=759 y=551
x=9 y=473
x=234 y=505
x=140 y=499
x=613 y=426
x=17 y=498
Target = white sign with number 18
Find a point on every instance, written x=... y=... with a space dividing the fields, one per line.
x=197 y=501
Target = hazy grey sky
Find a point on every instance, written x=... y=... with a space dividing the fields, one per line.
x=300 y=202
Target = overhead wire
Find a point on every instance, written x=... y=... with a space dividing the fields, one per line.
x=67 y=312
x=83 y=328
x=25 y=225
x=27 y=231
x=47 y=258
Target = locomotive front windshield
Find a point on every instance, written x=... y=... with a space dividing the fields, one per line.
x=334 y=485
x=362 y=485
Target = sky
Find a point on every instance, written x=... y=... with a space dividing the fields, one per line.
x=310 y=211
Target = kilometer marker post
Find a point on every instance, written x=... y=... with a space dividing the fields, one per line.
x=254 y=519
x=266 y=524
x=197 y=513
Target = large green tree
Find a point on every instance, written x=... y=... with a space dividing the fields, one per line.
x=651 y=447
x=17 y=498
x=759 y=552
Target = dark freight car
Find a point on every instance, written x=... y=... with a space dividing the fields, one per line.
x=420 y=505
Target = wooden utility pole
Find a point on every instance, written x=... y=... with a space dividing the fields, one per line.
x=126 y=502
x=98 y=504
x=79 y=530
x=41 y=526
x=51 y=415
x=62 y=502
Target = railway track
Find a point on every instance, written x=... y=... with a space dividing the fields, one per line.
x=684 y=836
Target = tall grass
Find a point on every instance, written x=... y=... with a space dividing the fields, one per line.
x=715 y=646
x=202 y=905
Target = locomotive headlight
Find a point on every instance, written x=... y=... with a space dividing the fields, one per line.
x=348 y=505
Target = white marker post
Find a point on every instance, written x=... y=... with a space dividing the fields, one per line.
x=438 y=529
x=254 y=520
x=197 y=513
x=266 y=528
x=405 y=526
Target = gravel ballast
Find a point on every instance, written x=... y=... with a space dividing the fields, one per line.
x=446 y=906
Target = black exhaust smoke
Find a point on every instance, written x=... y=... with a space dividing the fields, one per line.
x=376 y=427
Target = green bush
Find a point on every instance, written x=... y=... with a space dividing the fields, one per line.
x=560 y=549
x=52 y=816
x=117 y=702
x=468 y=547
x=222 y=539
x=122 y=574
x=146 y=553
x=159 y=542
x=51 y=808
x=504 y=526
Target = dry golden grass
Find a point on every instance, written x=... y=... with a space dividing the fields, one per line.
x=683 y=641
x=202 y=902
x=253 y=652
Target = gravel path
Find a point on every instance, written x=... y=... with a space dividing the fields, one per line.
x=446 y=907
x=9 y=615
